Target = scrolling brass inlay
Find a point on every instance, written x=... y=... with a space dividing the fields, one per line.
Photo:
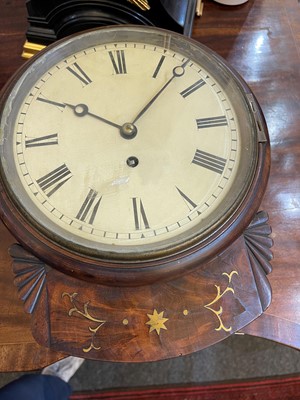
x=218 y=313
x=157 y=321
x=85 y=314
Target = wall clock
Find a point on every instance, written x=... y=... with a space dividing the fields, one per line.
x=133 y=162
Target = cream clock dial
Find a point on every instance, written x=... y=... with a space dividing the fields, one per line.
x=128 y=142
x=102 y=169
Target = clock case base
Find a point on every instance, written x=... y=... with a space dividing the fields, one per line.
x=151 y=322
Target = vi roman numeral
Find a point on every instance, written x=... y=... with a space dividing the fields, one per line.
x=47 y=140
x=52 y=181
x=211 y=122
x=79 y=73
x=89 y=208
x=140 y=218
x=209 y=161
x=118 y=61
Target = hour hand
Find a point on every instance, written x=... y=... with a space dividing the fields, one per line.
x=82 y=110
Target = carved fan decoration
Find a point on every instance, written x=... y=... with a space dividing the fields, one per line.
x=30 y=276
x=258 y=245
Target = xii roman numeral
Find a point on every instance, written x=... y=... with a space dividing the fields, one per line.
x=118 y=61
x=77 y=71
x=211 y=122
x=47 y=140
x=209 y=161
x=89 y=208
x=140 y=219
x=52 y=181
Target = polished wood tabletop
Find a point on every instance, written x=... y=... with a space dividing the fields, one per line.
x=261 y=40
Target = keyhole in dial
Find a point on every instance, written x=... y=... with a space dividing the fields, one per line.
x=132 y=161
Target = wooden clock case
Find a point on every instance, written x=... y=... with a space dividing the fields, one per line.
x=153 y=308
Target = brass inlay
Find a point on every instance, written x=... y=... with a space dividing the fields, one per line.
x=30 y=49
x=157 y=321
x=142 y=4
x=85 y=314
x=185 y=312
x=125 y=321
x=219 y=295
x=199 y=8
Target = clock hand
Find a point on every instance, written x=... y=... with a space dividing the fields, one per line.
x=177 y=71
x=82 y=109
x=127 y=130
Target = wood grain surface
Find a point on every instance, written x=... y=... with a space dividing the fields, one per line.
x=261 y=39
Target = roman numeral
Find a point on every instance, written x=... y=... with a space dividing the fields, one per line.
x=157 y=69
x=191 y=205
x=47 y=140
x=139 y=214
x=53 y=103
x=89 y=208
x=77 y=71
x=52 y=181
x=191 y=89
x=209 y=161
x=211 y=122
x=118 y=61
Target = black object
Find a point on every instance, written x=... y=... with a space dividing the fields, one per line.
x=54 y=19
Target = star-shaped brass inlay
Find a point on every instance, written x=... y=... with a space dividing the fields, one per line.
x=157 y=321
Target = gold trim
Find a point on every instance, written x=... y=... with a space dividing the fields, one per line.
x=30 y=49
x=199 y=8
x=219 y=295
x=157 y=321
x=85 y=314
x=142 y=4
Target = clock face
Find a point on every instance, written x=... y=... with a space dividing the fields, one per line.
x=127 y=141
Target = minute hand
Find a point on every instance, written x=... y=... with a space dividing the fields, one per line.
x=177 y=71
